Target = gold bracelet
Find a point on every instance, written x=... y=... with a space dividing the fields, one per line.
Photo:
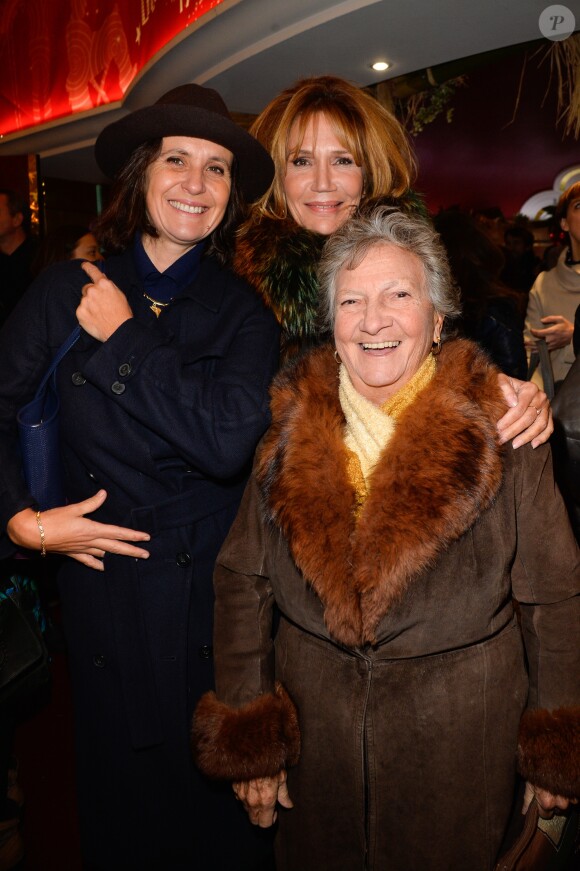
x=41 y=530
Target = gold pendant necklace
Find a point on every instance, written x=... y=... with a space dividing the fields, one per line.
x=156 y=307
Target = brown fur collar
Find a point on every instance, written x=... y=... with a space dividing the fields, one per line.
x=280 y=260
x=441 y=469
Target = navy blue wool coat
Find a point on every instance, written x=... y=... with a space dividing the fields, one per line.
x=164 y=416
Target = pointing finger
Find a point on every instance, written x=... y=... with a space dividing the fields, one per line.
x=92 y=271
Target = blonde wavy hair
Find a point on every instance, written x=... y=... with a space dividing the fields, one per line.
x=373 y=136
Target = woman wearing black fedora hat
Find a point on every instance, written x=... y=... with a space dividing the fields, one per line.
x=163 y=399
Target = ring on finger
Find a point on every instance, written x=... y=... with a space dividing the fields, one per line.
x=537 y=410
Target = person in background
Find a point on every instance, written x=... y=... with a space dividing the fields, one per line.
x=162 y=402
x=555 y=295
x=491 y=313
x=493 y=223
x=69 y=242
x=566 y=440
x=336 y=150
x=392 y=531
x=17 y=250
x=521 y=263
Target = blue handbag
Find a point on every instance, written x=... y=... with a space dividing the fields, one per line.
x=39 y=437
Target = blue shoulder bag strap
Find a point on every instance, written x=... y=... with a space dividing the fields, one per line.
x=64 y=348
x=62 y=351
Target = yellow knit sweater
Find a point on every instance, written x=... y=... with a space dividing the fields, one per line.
x=369 y=427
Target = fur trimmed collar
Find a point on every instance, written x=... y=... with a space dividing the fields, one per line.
x=441 y=469
x=279 y=259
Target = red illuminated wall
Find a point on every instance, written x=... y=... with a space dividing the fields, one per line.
x=59 y=57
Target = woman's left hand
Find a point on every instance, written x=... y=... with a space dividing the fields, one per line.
x=547 y=803
x=103 y=307
x=558 y=334
x=530 y=415
x=260 y=796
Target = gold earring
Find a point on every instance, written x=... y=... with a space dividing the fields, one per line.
x=436 y=347
x=336 y=357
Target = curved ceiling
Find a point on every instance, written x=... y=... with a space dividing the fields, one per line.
x=250 y=49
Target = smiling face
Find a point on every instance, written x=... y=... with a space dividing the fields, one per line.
x=385 y=323
x=323 y=184
x=571 y=224
x=188 y=189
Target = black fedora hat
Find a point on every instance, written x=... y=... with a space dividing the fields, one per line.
x=188 y=110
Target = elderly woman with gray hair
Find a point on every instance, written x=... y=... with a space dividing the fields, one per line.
x=393 y=532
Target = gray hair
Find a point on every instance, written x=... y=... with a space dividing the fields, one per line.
x=348 y=246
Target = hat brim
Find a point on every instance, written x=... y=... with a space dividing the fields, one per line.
x=118 y=140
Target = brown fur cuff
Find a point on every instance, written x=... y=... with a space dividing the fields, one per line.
x=549 y=750
x=256 y=740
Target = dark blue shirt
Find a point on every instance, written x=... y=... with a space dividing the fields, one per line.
x=165 y=286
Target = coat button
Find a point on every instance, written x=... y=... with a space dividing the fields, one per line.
x=117 y=387
x=205 y=651
x=78 y=379
x=124 y=369
x=99 y=660
x=183 y=559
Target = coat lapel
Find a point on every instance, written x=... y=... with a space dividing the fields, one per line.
x=441 y=469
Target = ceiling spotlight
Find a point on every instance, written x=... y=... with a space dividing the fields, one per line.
x=380 y=66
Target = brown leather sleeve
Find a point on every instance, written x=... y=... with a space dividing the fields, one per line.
x=546 y=583
x=243 y=646
x=248 y=728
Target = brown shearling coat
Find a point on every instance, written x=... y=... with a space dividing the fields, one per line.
x=397 y=646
